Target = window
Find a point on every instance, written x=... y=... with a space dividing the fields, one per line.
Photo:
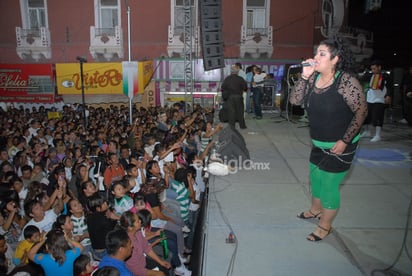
x=256 y=17
x=179 y=15
x=37 y=14
x=108 y=16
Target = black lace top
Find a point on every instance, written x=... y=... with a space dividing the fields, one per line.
x=330 y=119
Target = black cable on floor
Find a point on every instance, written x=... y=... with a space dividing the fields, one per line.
x=388 y=270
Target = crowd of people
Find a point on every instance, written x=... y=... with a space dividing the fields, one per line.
x=80 y=196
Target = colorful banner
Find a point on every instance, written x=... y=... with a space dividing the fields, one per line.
x=130 y=79
x=26 y=83
x=98 y=78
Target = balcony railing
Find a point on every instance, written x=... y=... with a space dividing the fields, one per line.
x=253 y=31
x=104 y=31
x=256 y=42
x=33 y=43
x=107 y=42
x=35 y=37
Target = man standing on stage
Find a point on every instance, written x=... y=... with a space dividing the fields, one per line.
x=233 y=87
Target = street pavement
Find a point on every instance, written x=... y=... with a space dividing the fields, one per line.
x=259 y=203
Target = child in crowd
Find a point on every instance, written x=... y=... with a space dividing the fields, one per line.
x=137 y=263
x=177 y=261
x=99 y=222
x=87 y=190
x=80 y=230
x=84 y=266
x=21 y=190
x=32 y=235
x=153 y=229
x=180 y=185
x=11 y=221
x=121 y=201
x=136 y=177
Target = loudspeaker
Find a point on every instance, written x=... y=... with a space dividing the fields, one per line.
x=211 y=33
x=232 y=145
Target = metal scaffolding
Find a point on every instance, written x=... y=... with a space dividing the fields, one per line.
x=187 y=51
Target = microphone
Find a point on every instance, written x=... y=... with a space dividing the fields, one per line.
x=303 y=64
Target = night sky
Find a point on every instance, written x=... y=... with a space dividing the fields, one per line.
x=392 y=28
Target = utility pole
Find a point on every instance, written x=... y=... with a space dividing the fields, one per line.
x=83 y=60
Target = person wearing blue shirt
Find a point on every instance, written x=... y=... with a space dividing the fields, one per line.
x=119 y=248
x=60 y=256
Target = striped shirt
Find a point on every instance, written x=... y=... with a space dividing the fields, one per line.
x=182 y=198
x=204 y=141
x=79 y=228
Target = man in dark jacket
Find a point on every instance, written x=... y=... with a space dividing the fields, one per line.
x=233 y=87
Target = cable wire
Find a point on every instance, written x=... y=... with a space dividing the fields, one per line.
x=226 y=221
x=388 y=270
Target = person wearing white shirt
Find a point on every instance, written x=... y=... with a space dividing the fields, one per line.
x=257 y=89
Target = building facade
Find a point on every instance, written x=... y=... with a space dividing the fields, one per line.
x=273 y=33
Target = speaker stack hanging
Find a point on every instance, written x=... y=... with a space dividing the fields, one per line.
x=211 y=33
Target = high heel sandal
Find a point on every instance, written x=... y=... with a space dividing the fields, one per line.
x=302 y=215
x=316 y=238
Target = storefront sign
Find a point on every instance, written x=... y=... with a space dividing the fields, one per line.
x=26 y=83
x=99 y=78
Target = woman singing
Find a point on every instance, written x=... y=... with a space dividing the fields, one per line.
x=336 y=108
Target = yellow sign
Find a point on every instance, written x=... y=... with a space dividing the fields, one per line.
x=98 y=78
x=54 y=115
x=145 y=69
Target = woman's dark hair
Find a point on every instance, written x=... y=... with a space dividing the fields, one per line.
x=57 y=245
x=181 y=176
x=192 y=171
x=145 y=217
x=127 y=219
x=80 y=264
x=95 y=201
x=149 y=166
x=338 y=47
x=60 y=220
x=139 y=197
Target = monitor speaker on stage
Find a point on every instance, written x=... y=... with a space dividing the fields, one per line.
x=211 y=33
x=232 y=145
